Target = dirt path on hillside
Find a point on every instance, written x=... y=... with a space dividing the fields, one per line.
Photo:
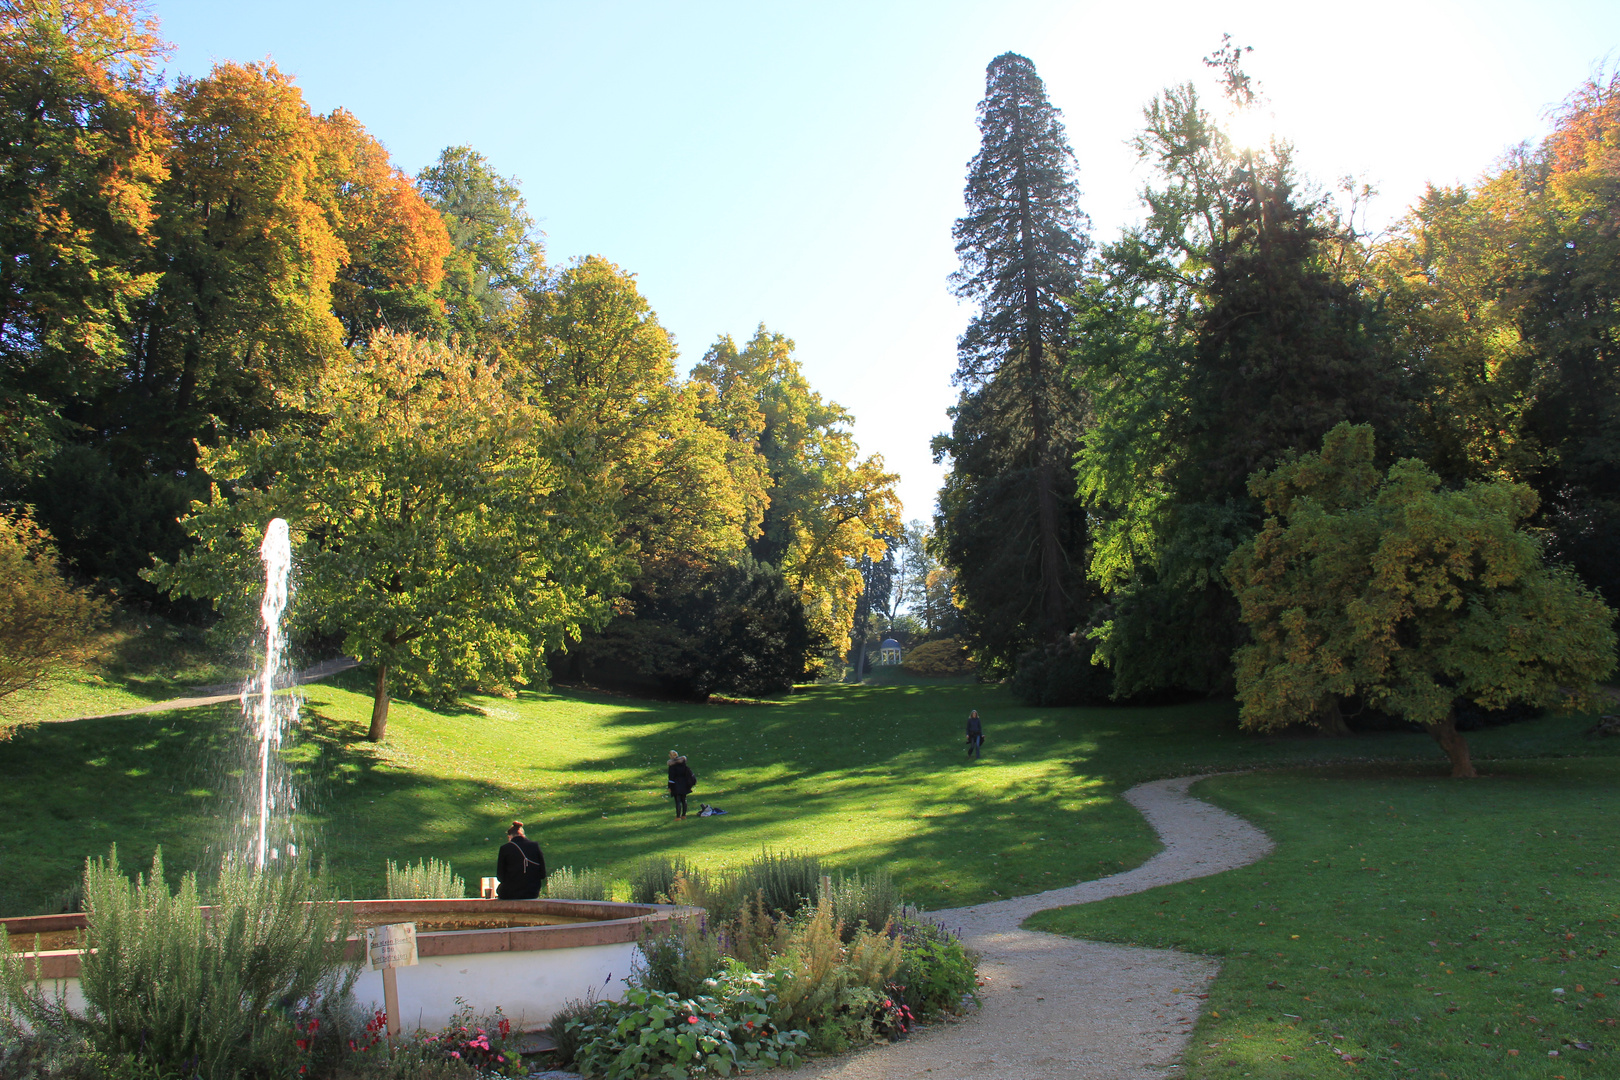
x=214 y=695
x=1056 y=1008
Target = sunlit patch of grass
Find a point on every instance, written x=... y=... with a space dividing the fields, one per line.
x=1407 y=924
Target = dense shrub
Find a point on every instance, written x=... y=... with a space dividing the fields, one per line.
x=254 y=985
x=937 y=973
x=786 y=881
x=829 y=989
x=653 y=1033
x=871 y=901
x=939 y=659
x=429 y=879
x=679 y=959
x=653 y=879
x=1061 y=673
x=44 y=619
x=566 y=883
x=568 y=1024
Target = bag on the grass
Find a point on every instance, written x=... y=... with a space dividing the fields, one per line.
x=709 y=811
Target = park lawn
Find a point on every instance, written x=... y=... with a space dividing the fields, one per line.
x=864 y=776
x=141 y=659
x=1406 y=925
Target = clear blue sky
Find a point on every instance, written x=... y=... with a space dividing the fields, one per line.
x=800 y=164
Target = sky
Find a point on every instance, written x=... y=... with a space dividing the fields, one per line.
x=800 y=164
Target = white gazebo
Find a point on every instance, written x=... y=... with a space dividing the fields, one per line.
x=889 y=651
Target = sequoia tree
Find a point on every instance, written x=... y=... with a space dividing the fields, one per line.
x=1006 y=515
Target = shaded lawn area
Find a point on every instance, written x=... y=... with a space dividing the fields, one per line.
x=1407 y=924
x=864 y=776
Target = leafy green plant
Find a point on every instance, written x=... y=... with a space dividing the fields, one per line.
x=429 y=879
x=654 y=1033
x=215 y=991
x=679 y=960
x=937 y=973
x=828 y=988
x=566 y=883
x=568 y=1022
x=479 y=1041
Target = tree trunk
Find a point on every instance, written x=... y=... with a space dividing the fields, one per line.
x=379 y=706
x=1330 y=722
x=1456 y=747
x=860 y=662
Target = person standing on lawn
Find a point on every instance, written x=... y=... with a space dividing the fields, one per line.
x=681 y=782
x=520 y=866
x=975 y=734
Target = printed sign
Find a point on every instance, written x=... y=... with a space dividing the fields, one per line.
x=391 y=946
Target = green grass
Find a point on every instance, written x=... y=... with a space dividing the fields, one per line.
x=140 y=660
x=863 y=776
x=1415 y=924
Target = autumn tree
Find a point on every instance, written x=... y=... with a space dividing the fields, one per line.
x=81 y=158
x=827 y=506
x=439 y=526
x=1504 y=295
x=1389 y=589
x=395 y=244
x=1008 y=519
x=45 y=620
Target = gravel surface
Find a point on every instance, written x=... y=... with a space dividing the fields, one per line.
x=1056 y=1008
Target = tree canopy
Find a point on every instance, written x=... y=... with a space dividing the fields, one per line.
x=1389 y=590
x=439 y=524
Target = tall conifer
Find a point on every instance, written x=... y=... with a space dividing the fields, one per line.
x=1007 y=514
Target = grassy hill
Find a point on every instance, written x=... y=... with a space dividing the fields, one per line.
x=861 y=775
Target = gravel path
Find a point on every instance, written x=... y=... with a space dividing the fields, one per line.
x=1057 y=1008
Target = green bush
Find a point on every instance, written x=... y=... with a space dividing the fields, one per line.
x=216 y=993
x=566 y=883
x=653 y=1033
x=1061 y=673
x=787 y=881
x=568 y=1024
x=872 y=901
x=679 y=960
x=653 y=879
x=827 y=988
x=937 y=973
x=429 y=879
x=942 y=658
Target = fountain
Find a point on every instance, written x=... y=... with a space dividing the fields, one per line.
x=526 y=957
x=272 y=714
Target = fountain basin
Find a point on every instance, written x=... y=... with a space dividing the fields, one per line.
x=525 y=957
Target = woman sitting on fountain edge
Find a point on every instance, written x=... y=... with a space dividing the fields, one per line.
x=520 y=866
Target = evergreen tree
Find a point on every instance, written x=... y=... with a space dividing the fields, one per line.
x=1007 y=517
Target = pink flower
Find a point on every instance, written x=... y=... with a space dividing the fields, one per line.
x=455 y=1053
x=691 y=1019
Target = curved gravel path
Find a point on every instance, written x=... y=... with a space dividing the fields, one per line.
x=1057 y=1008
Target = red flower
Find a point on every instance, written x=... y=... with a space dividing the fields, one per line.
x=749 y=1024
x=303 y=1044
x=691 y=1019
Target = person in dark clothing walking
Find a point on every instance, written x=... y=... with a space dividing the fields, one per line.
x=975 y=733
x=520 y=866
x=681 y=782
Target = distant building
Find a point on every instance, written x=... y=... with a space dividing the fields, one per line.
x=889 y=651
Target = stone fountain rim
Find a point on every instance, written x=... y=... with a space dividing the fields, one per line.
x=616 y=923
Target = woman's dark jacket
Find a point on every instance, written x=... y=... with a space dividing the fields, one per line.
x=520 y=882
x=681 y=779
